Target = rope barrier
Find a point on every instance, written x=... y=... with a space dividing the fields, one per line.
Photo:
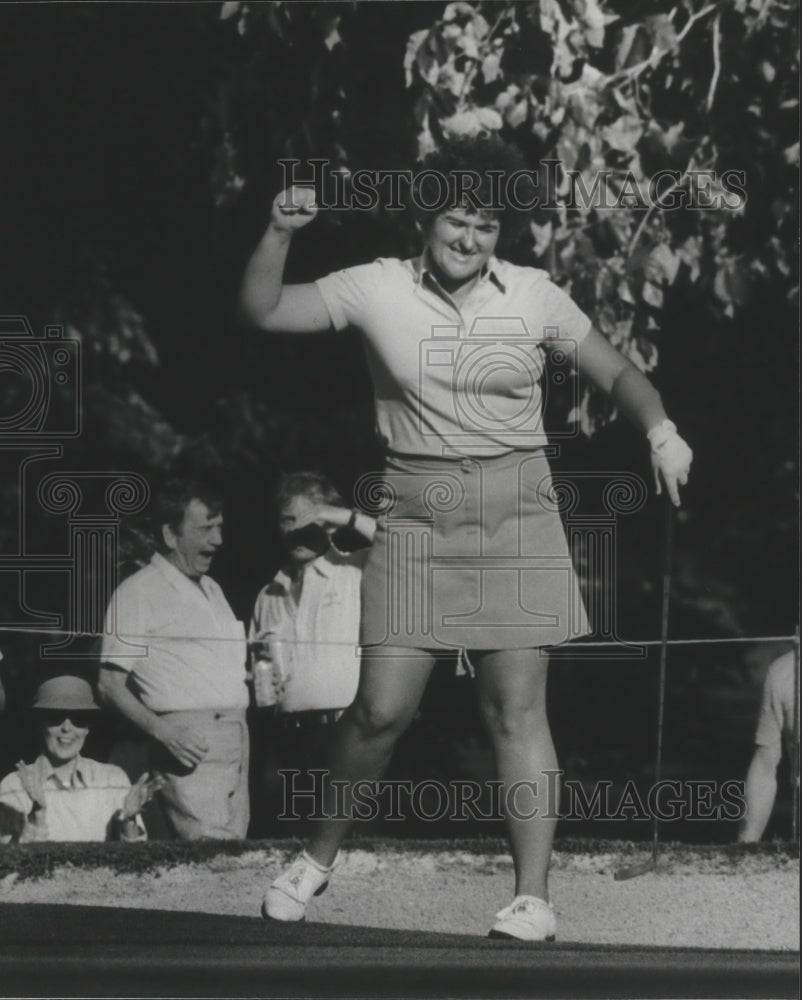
x=572 y=644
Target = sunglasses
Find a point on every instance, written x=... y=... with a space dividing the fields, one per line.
x=57 y=717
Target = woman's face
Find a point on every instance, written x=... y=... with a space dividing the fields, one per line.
x=460 y=242
x=64 y=737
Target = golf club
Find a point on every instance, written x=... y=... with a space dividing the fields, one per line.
x=642 y=867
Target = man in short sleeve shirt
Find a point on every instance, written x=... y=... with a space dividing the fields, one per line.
x=174 y=662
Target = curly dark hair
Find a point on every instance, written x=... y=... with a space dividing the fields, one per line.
x=475 y=172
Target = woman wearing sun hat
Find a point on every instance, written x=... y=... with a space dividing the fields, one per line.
x=63 y=795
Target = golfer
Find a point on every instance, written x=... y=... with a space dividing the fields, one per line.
x=469 y=553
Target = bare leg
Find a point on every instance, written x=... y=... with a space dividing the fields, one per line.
x=512 y=697
x=390 y=689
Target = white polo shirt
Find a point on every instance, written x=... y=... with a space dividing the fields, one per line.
x=454 y=380
x=315 y=642
x=180 y=641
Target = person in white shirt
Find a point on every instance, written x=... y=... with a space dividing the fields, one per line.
x=62 y=795
x=173 y=662
x=775 y=725
x=306 y=620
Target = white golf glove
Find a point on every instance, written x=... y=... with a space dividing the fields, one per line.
x=671 y=459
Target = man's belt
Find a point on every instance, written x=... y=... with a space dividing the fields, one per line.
x=309 y=720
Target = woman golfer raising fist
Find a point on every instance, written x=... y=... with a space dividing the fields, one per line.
x=470 y=552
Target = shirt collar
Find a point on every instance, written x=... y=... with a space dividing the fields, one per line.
x=174 y=575
x=48 y=772
x=421 y=267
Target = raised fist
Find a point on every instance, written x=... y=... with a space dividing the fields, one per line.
x=293 y=208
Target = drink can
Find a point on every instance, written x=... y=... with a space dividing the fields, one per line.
x=264 y=686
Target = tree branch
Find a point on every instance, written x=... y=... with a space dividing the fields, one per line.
x=657 y=54
x=716 y=60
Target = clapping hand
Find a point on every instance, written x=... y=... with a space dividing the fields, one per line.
x=140 y=793
x=32 y=783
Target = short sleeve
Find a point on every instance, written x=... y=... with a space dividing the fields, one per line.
x=562 y=318
x=263 y=613
x=125 y=617
x=346 y=292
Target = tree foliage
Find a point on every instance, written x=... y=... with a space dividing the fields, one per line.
x=665 y=137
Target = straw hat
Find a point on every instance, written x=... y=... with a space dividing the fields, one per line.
x=66 y=692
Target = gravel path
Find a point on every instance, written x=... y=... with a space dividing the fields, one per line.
x=753 y=903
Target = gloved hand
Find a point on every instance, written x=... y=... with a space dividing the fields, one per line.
x=671 y=459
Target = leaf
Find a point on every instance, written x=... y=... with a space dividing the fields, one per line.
x=454 y=10
x=506 y=97
x=628 y=35
x=593 y=24
x=625 y=293
x=414 y=43
x=491 y=67
x=623 y=134
x=229 y=9
x=690 y=253
x=426 y=143
x=767 y=71
x=652 y=295
x=732 y=282
x=661 y=31
x=464 y=123
x=542 y=235
x=516 y=115
x=489 y=118
x=661 y=265
x=331 y=32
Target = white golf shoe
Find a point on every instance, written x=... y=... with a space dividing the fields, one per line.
x=527 y=918
x=288 y=896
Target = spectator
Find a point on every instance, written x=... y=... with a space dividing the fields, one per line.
x=173 y=663
x=308 y=615
x=775 y=724
x=62 y=795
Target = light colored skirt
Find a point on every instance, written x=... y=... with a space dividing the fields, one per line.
x=469 y=554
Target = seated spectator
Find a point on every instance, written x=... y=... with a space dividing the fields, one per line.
x=304 y=631
x=775 y=724
x=62 y=795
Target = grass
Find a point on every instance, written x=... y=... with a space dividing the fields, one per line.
x=33 y=861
